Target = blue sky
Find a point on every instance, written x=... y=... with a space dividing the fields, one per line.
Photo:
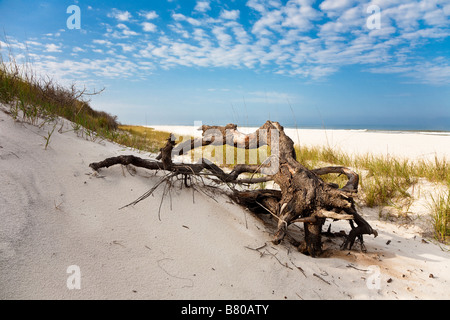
x=314 y=63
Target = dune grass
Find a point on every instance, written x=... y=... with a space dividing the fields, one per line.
x=37 y=100
x=141 y=138
x=229 y=156
x=384 y=178
x=40 y=101
x=440 y=214
x=387 y=181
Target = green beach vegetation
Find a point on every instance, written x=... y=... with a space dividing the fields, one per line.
x=40 y=101
x=389 y=182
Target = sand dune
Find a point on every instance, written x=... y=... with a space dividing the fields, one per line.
x=55 y=214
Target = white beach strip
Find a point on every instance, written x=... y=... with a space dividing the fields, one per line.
x=399 y=144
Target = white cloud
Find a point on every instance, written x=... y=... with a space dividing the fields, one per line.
x=78 y=49
x=128 y=32
x=182 y=17
x=263 y=6
x=299 y=17
x=178 y=28
x=120 y=15
x=297 y=14
x=12 y=44
x=178 y=16
x=149 y=27
x=160 y=52
x=446 y=9
x=33 y=43
x=230 y=14
x=436 y=72
x=51 y=47
x=241 y=35
x=102 y=42
x=126 y=47
x=224 y=39
x=202 y=6
x=146 y=52
x=350 y=20
x=149 y=15
x=335 y=4
x=271 y=20
x=436 y=17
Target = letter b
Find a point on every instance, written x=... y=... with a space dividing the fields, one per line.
x=228 y=309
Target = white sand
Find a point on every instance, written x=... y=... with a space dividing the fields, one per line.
x=411 y=145
x=54 y=213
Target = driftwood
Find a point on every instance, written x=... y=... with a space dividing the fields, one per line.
x=302 y=196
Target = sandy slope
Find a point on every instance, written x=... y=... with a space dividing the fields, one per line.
x=54 y=213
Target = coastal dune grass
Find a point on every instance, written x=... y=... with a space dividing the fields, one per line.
x=388 y=181
x=440 y=214
x=383 y=177
x=40 y=101
x=141 y=138
x=229 y=156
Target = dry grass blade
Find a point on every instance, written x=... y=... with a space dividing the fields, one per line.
x=150 y=192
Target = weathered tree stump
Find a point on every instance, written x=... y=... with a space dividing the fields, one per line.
x=303 y=195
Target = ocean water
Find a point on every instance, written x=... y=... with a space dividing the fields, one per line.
x=431 y=128
x=383 y=129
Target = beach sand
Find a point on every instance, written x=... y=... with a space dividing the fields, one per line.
x=400 y=144
x=55 y=213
